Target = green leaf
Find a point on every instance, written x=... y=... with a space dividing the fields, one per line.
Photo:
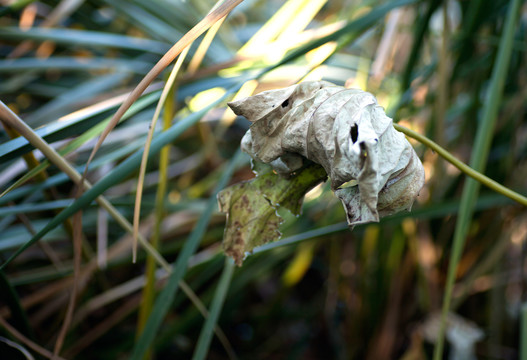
x=251 y=207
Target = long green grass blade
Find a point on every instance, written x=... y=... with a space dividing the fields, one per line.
x=62 y=177
x=478 y=159
x=148 y=294
x=146 y=21
x=205 y=337
x=76 y=143
x=74 y=64
x=71 y=99
x=87 y=38
x=166 y=297
x=431 y=212
x=420 y=32
x=71 y=126
x=118 y=173
x=41 y=206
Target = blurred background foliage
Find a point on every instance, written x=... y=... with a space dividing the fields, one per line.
x=323 y=292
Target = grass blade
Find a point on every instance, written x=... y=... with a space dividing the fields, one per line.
x=67 y=63
x=82 y=37
x=351 y=31
x=166 y=297
x=478 y=160
x=420 y=32
x=205 y=336
x=215 y=15
x=79 y=141
x=148 y=294
x=142 y=170
x=69 y=125
x=118 y=173
x=170 y=82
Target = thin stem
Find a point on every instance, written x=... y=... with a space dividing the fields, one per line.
x=30 y=344
x=149 y=290
x=462 y=166
x=142 y=170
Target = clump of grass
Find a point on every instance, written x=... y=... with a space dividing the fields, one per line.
x=320 y=291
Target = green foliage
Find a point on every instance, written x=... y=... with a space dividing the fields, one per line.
x=252 y=207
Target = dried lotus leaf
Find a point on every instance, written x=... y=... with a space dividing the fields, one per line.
x=343 y=130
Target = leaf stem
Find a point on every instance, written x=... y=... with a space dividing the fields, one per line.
x=462 y=166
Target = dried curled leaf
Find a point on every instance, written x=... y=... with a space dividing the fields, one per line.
x=373 y=169
x=346 y=132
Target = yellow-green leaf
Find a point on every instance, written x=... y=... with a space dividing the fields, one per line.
x=251 y=207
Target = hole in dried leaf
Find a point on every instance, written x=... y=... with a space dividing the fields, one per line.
x=363 y=150
x=354 y=133
x=316 y=125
